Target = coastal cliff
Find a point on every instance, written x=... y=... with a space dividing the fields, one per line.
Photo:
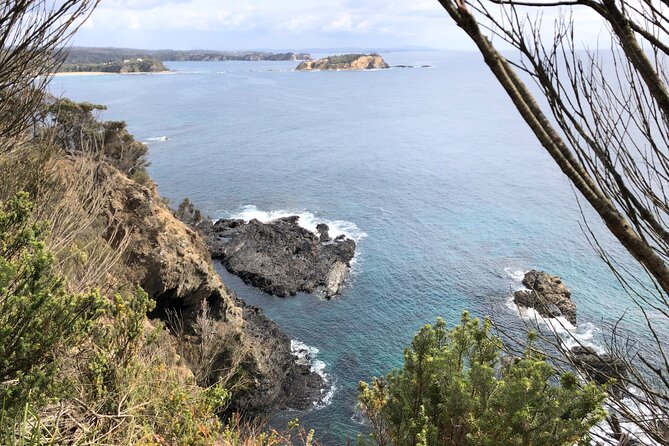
x=345 y=62
x=172 y=263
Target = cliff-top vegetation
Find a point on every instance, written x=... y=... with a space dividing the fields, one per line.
x=115 y=329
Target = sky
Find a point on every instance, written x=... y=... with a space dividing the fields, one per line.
x=273 y=25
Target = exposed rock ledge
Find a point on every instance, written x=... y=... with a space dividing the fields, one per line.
x=345 y=62
x=172 y=263
x=281 y=257
x=547 y=295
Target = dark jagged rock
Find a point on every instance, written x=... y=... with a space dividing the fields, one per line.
x=322 y=230
x=600 y=367
x=287 y=383
x=546 y=294
x=280 y=257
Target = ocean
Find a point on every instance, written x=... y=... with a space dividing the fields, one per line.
x=431 y=170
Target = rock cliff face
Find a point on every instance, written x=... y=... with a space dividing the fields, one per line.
x=172 y=263
x=546 y=294
x=345 y=62
x=280 y=257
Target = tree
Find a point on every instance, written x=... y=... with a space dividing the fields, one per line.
x=33 y=38
x=75 y=127
x=604 y=118
x=456 y=389
x=39 y=319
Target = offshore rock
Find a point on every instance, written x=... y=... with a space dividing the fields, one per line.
x=600 y=367
x=280 y=257
x=547 y=294
x=345 y=62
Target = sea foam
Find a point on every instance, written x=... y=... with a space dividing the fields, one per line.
x=307 y=220
x=306 y=355
x=570 y=335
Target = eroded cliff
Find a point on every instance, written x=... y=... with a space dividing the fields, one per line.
x=172 y=263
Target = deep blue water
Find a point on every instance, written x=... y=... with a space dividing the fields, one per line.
x=431 y=169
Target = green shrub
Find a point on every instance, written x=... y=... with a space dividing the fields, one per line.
x=453 y=390
x=75 y=127
x=39 y=319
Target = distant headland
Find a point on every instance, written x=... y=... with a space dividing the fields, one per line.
x=345 y=62
x=125 y=66
x=91 y=55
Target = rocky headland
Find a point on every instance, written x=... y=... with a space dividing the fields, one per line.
x=280 y=257
x=172 y=263
x=93 y=55
x=125 y=66
x=345 y=62
x=547 y=294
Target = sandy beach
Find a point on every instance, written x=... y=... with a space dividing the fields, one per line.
x=80 y=73
x=101 y=73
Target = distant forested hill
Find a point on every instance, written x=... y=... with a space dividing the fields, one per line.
x=89 y=55
x=122 y=66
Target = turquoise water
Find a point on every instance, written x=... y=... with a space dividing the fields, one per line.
x=431 y=169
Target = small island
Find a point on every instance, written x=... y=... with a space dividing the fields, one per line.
x=345 y=62
x=125 y=66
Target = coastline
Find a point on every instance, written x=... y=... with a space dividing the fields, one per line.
x=102 y=73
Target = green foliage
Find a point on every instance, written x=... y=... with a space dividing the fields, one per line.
x=129 y=380
x=189 y=214
x=452 y=390
x=142 y=64
x=344 y=58
x=39 y=319
x=76 y=128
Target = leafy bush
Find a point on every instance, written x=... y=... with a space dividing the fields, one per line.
x=75 y=127
x=39 y=319
x=453 y=390
x=344 y=58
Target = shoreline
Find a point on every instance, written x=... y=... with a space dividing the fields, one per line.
x=103 y=73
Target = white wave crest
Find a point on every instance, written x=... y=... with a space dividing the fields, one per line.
x=307 y=220
x=581 y=335
x=516 y=275
x=570 y=335
x=159 y=138
x=306 y=355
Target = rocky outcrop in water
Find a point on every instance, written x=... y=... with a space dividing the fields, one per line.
x=547 y=294
x=345 y=62
x=281 y=257
x=600 y=367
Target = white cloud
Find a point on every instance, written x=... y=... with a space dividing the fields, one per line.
x=286 y=24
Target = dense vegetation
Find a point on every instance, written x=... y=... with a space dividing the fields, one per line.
x=81 y=363
x=143 y=64
x=346 y=58
x=87 y=55
x=455 y=389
